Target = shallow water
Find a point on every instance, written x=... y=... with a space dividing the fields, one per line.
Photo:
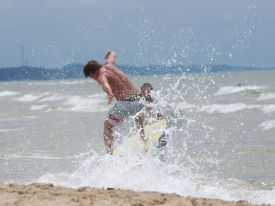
x=221 y=136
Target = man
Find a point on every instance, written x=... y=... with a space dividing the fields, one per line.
x=151 y=113
x=146 y=89
x=116 y=85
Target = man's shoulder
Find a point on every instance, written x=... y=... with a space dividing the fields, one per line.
x=109 y=70
x=103 y=69
x=110 y=66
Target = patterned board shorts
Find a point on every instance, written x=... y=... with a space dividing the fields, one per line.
x=123 y=109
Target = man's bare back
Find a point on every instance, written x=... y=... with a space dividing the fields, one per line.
x=120 y=85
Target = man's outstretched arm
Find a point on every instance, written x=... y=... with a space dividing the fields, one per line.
x=106 y=88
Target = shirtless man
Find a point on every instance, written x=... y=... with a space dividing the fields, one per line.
x=116 y=85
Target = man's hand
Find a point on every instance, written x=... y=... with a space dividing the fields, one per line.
x=110 y=98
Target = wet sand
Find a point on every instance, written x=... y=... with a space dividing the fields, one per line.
x=48 y=195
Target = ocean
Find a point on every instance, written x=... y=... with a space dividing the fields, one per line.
x=221 y=136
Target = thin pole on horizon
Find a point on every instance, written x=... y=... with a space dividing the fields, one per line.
x=23 y=55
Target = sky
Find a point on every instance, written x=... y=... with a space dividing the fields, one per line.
x=54 y=33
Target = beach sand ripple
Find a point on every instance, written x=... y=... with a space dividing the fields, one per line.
x=48 y=194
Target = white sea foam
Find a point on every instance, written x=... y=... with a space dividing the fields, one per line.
x=31 y=97
x=267 y=125
x=226 y=108
x=91 y=103
x=58 y=82
x=185 y=106
x=268 y=108
x=39 y=107
x=229 y=108
x=52 y=98
x=8 y=130
x=150 y=174
x=72 y=82
x=35 y=156
x=7 y=93
x=236 y=89
x=266 y=96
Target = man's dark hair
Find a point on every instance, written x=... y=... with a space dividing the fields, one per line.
x=147 y=85
x=91 y=67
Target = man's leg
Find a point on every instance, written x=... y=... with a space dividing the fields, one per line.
x=140 y=125
x=108 y=137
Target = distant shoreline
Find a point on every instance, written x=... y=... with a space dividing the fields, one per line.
x=74 y=71
x=48 y=194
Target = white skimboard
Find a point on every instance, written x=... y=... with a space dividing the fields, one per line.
x=134 y=145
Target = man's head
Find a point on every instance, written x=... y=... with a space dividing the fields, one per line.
x=91 y=68
x=110 y=57
x=146 y=89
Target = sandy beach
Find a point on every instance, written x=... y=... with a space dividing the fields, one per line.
x=48 y=194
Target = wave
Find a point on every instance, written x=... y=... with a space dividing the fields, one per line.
x=57 y=82
x=43 y=157
x=229 y=108
x=266 y=96
x=8 y=93
x=72 y=82
x=39 y=107
x=268 y=108
x=52 y=98
x=267 y=125
x=8 y=130
x=236 y=89
x=31 y=97
x=91 y=103
x=150 y=174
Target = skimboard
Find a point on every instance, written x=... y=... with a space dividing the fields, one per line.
x=155 y=137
